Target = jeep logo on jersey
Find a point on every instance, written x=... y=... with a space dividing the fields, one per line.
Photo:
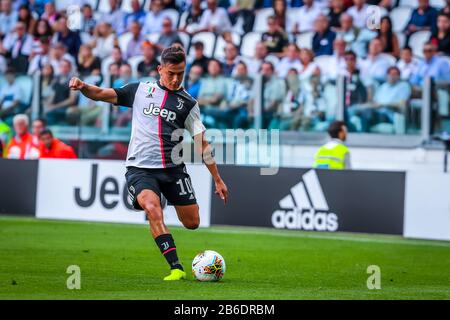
x=305 y=207
x=151 y=110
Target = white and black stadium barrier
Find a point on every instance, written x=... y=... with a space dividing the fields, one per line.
x=18 y=183
x=412 y=204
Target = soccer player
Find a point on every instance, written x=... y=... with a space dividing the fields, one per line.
x=160 y=108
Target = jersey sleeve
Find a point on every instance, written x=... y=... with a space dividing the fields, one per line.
x=126 y=94
x=193 y=123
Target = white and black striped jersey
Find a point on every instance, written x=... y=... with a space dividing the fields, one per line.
x=157 y=113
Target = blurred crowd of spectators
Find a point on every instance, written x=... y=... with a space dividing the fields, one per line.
x=381 y=73
x=39 y=143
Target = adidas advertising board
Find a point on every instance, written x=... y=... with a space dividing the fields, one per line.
x=95 y=190
x=313 y=200
x=305 y=207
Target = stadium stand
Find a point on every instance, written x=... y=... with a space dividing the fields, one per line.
x=324 y=92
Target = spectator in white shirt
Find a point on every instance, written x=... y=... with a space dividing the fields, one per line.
x=337 y=65
x=154 y=18
x=309 y=67
x=115 y=17
x=290 y=61
x=304 y=20
x=375 y=66
x=103 y=40
x=42 y=58
x=407 y=64
x=214 y=19
x=10 y=94
x=359 y=13
x=18 y=47
x=347 y=31
x=254 y=64
x=135 y=43
x=58 y=53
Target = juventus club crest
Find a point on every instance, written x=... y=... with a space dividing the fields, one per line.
x=180 y=103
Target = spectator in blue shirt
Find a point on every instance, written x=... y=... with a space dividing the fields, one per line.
x=422 y=18
x=8 y=18
x=391 y=97
x=432 y=66
x=322 y=43
x=193 y=81
x=137 y=14
x=70 y=38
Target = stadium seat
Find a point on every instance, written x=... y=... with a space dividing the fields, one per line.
x=183 y=18
x=124 y=39
x=134 y=61
x=126 y=5
x=186 y=39
x=401 y=39
x=417 y=40
x=291 y=15
x=249 y=42
x=105 y=64
x=408 y=3
x=103 y=6
x=208 y=39
x=146 y=5
x=304 y=40
x=174 y=16
x=64 y=4
x=400 y=17
x=261 y=16
x=220 y=45
x=26 y=86
x=438 y=4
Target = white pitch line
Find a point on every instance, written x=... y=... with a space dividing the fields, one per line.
x=329 y=237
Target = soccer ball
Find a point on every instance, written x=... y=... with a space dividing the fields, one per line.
x=208 y=266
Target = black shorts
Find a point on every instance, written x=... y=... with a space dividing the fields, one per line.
x=173 y=183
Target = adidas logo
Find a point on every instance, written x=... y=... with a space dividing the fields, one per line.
x=305 y=207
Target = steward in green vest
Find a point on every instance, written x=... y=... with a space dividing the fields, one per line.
x=334 y=154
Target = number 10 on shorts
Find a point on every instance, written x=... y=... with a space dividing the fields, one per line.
x=185 y=186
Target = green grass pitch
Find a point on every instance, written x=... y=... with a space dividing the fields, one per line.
x=120 y=261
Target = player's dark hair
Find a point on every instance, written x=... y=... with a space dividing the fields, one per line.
x=46 y=131
x=173 y=55
x=334 y=128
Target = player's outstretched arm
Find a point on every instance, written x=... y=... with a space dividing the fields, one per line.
x=93 y=92
x=206 y=151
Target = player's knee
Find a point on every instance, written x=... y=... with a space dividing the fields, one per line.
x=153 y=211
x=192 y=223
